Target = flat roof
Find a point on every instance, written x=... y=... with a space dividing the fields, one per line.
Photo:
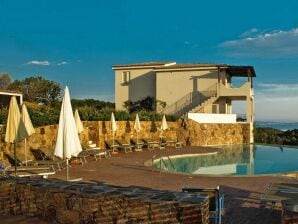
x=239 y=71
x=5 y=91
x=152 y=64
x=191 y=65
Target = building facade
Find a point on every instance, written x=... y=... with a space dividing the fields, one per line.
x=197 y=88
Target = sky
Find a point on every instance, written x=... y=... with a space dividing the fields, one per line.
x=76 y=42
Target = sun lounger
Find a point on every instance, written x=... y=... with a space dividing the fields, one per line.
x=96 y=153
x=138 y=144
x=112 y=146
x=12 y=160
x=43 y=158
x=152 y=144
x=30 y=171
x=92 y=150
x=216 y=201
x=173 y=142
x=125 y=146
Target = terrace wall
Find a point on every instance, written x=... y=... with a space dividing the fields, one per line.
x=187 y=131
x=65 y=202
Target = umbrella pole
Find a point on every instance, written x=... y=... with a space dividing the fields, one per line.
x=15 y=159
x=67 y=171
x=137 y=138
x=137 y=141
x=113 y=141
x=26 y=151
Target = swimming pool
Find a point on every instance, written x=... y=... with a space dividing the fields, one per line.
x=235 y=160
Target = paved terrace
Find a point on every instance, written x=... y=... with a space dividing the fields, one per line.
x=242 y=194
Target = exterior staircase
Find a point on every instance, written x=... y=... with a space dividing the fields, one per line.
x=200 y=107
x=193 y=101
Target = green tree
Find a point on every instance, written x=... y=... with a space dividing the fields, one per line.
x=37 y=89
x=147 y=104
x=5 y=80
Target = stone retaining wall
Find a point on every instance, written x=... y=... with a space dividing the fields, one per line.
x=196 y=134
x=187 y=131
x=65 y=202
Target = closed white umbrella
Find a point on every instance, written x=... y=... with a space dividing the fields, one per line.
x=15 y=128
x=78 y=121
x=164 y=125
x=28 y=125
x=137 y=126
x=113 y=127
x=68 y=143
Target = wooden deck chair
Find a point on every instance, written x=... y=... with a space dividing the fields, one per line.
x=113 y=147
x=44 y=158
x=138 y=145
x=152 y=144
x=96 y=151
x=170 y=141
x=18 y=160
x=124 y=145
x=30 y=171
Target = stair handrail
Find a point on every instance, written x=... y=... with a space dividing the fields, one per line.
x=192 y=98
x=179 y=104
x=161 y=160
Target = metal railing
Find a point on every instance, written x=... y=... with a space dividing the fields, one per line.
x=241 y=118
x=162 y=161
x=191 y=100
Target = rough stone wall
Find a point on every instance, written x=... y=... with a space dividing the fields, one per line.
x=65 y=202
x=196 y=134
x=187 y=131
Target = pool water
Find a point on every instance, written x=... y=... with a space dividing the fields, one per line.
x=235 y=160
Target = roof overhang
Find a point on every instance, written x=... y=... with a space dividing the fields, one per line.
x=10 y=93
x=241 y=71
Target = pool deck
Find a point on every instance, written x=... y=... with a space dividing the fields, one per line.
x=242 y=194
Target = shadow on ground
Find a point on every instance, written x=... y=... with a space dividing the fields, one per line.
x=245 y=207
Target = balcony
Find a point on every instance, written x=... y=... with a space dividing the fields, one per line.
x=242 y=91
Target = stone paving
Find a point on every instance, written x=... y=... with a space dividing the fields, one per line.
x=242 y=194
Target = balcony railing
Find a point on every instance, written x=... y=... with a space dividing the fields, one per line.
x=191 y=100
x=241 y=118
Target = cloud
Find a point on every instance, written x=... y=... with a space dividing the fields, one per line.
x=276 y=101
x=273 y=101
x=277 y=89
x=62 y=63
x=254 y=43
x=249 y=32
x=44 y=63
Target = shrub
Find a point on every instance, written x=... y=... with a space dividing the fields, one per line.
x=3 y=115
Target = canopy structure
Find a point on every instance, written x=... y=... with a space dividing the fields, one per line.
x=28 y=125
x=15 y=128
x=68 y=143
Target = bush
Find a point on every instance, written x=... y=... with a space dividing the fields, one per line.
x=3 y=115
x=46 y=115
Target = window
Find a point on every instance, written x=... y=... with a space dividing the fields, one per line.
x=125 y=77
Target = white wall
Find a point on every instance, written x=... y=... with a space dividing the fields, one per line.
x=213 y=118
